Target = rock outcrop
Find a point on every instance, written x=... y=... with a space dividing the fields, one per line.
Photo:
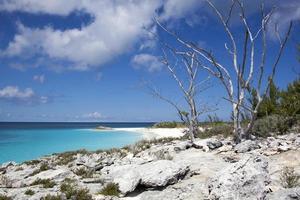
x=246 y=179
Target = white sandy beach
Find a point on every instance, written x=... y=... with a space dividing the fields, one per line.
x=151 y=133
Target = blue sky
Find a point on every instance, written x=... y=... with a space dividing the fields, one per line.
x=81 y=60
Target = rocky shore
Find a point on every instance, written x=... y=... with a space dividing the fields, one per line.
x=167 y=169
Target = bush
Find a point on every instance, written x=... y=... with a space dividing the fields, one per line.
x=3 y=197
x=47 y=183
x=69 y=188
x=111 y=189
x=273 y=124
x=44 y=166
x=29 y=192
x=84 y=173
x=289 y=178
x=224 y=130
x=52 y=197
x=169 y=125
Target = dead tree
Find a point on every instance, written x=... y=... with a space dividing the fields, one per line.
x=175 y=60
x=245 y=73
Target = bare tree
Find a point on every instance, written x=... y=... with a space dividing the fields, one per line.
x=189 y=86
x=245 y=73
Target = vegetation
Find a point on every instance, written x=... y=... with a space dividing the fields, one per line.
x=172 y=124
x=69 y=156
x=52 y=197
x=111 y=189
x=84 y=173
x=3 y=197
x=47 y=183
x=221 y=129
x=71 y=190
x=43 y=167
x=284 y=102
x=273 y=125
x=289 y=178
x=29 y=192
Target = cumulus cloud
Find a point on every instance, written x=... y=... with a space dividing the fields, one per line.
x=116 y=28
x=16 y=95
x=150 y=62
x=39 y=78
x=92 y=116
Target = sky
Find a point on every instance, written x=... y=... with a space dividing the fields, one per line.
x=86 y=60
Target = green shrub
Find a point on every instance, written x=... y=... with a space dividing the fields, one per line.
x=84 y=173
x=224 y=130
x=3 y=197
x=273 y=124
x=47 y=183
x=289 y=178
x=69 y=188
x=44 y=167
x=29 y=192
x=111 y=189
x=169 y=125
x=32 y=162
x=52 y=197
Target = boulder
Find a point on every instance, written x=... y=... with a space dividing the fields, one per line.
x=127 y=177
x=246 y=146
x=214 y=144
x=285 y=194
x=246 y=179
x=161 y=173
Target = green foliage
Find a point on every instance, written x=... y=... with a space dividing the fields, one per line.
x=32 y=162
x=289 y=178
x=44 y=166
x=84 y=173
x=224 y=130
x=29 y=192
x=71 y=190
x=3 y=197
x=273 y=124
x=111 y=189
x=172 y=124
x=52 y=197
x=285 y=102
x=290 y=99
x=47 y=183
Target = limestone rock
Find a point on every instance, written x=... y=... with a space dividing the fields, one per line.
x=161 y=173
x=246 y=146
x=285 y=194
x=246 y=179
x=214 y=144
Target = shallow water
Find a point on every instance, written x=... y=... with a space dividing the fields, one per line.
x=20 y=144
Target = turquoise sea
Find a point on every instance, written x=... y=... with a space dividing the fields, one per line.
x=26 y=141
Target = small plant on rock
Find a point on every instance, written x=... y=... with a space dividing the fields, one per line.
x=84 y=173
x=111 y=189
x=47 y=183
x=52 y=197
x=29 y=192
x=289 y=178
x=3 y=197
x=70 y=189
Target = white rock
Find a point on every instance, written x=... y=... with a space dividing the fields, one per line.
x=246 y=179
x=161 y=173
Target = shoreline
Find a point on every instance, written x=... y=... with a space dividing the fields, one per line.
x=155 y=133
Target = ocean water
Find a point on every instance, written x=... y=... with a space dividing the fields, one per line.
x=26 y=141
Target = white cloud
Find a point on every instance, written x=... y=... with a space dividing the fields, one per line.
x=39 y=78
x=116 y=28
x=92 y=116
x=11 y=92
x=150 y=62
x=15 y=95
